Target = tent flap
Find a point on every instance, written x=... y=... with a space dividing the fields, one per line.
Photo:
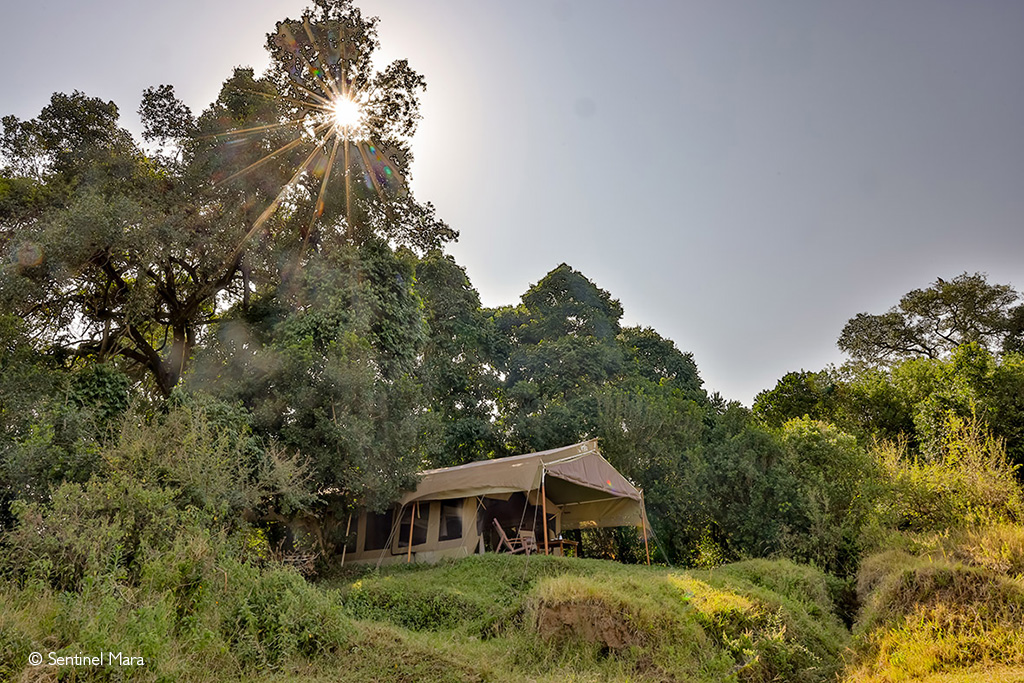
x=594 y=472
x=602 y=513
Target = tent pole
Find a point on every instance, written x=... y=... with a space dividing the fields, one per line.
x=643 y=522
x=544 y=510
x=344 y=548
x=412 y=522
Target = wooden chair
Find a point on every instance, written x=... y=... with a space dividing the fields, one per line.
x=514 y=545
x=529 y=541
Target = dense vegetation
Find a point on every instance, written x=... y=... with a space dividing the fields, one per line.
x=196 y=337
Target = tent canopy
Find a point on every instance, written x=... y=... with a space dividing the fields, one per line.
x=585 y=487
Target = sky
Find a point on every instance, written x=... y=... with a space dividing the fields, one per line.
x=743 y=176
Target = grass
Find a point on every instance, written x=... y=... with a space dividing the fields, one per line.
x=548 y=619
x=487 y=618
x=945 y=606
x=935 y=608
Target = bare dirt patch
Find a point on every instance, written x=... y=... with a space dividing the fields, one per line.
x=590 y=620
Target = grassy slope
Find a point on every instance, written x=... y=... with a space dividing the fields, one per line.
x=555 y=619
x=943 y=608
x=490 y=618
x=940 y=608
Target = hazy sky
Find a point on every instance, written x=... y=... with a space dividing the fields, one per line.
x=743 y=176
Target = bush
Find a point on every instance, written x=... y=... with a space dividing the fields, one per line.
x=968 y=482
x=929 y=614
x=838 y=485
x=418 y=608
x=279 y=617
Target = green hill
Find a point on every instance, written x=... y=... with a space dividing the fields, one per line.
x=487 y=618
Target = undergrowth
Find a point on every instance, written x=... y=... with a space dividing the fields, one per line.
x=945 y=606
x=490 y=617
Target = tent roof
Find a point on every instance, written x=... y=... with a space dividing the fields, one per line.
x=581 y=465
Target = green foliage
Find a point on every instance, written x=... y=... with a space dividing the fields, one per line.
x=282 y=617
x=547 y=618
x=458 y=382
x=796 y=395
x=164 y=482
x=555 y=350
x=909 y=399
x=116 y=255
x=968 y=482
x=53 y=422
x=325 y=365
x=415 y=607
x=838 y=485
x=943 y=611
x=164 y=117
x=806 y=491
x=653 y=358
x=102 y=389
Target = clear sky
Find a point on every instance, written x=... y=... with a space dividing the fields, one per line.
x=743 y=176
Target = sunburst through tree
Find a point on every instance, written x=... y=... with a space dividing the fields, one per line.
x=134 y=254
x=335 y=130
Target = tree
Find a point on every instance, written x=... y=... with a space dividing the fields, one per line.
x=458 y=381
x=326 y=366
x=932 y=322
x=120 y=255
x=837 y=487
x=556 y=349
x=654 y=358
x=796 y=395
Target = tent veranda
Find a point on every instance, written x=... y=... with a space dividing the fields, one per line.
x=449 y=513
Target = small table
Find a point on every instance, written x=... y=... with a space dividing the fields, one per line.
x=557 y=546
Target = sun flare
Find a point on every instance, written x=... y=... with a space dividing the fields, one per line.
x=332 y=116
x=346 y=114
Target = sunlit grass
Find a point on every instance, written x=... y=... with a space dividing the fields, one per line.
x=949 y=606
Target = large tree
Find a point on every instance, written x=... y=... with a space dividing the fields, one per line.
x=458 y=380
x=326 y=366
x=931 y=322
x=119 y=254
x=555 y=350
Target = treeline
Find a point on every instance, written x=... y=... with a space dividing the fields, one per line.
x=375 y=363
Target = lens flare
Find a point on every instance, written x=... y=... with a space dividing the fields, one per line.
x=330 y=122
x=346 y=114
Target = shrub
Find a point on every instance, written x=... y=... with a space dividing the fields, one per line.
x=280 y=616
x=838 y=484
x=968 y=482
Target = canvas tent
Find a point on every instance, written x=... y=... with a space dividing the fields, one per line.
x=451 y=511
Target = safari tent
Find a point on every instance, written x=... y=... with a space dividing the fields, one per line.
x=452 y=511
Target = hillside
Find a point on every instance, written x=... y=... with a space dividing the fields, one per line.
x=496 y=618
x=937 y=607
x=943 y=607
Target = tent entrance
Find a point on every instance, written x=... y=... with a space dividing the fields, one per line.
x=514 y=514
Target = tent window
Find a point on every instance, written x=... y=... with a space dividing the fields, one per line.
x=419 y=527
x=378 y=528
x=451 y=520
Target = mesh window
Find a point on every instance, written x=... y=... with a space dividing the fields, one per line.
x=419 y=527
x=378 y=528
x=451 y=520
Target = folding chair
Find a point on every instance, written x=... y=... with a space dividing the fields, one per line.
x=514 y=545
x=529 y=541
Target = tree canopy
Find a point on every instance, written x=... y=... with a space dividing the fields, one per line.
x=931 y=322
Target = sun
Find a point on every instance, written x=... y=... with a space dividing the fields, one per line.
x=332 y=114
x=346 y=114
